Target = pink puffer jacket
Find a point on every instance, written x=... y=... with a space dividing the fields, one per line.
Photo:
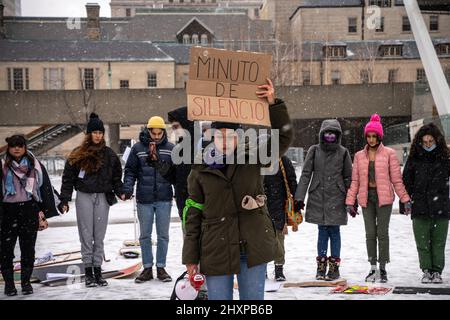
x=387 y=174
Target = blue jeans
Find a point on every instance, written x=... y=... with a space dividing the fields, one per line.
x=146 y=214
x=251 y=283
x=334 y=234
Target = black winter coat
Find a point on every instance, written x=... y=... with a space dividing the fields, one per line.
x=151 y=186
x=275 y=190
x=108 y=179
x=426 y=178
x=177 y=174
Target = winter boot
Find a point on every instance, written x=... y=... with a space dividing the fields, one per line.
x=321 y=268
x=8 y=277
x=25 y=276
x=372 y=276
x=436 y=277
x=279 y=276
x=383 y=275
x=99 y=278
x=89 y=278
x=163 y=275
x=146 y=275
x=427 y=277
x=333 y=269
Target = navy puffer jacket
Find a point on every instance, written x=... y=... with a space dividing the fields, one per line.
x=151 y=186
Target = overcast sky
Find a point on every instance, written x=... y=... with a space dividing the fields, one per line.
x=62 y=8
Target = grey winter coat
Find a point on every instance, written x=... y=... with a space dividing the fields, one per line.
x=327 y=172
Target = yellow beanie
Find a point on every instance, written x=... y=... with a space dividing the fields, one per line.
x=156 y=123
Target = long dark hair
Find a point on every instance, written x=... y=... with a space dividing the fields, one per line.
x=88 y=156
x=432 y=130
x=16 y=140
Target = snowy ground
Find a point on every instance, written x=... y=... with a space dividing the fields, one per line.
x=300 y=260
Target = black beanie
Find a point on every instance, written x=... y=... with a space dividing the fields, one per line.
x=16 y=140
x=225 y=125
x=95 y=124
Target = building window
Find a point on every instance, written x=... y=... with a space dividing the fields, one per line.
x=447 y=75
x=181 y=1
x=352 y=25
x=366 y=76
x=195 y=38
x=421 y=75
x=434 y=23
x=53 y=78
x=18 y=79
x=186 y=39
x=128 y=12
x=335 y=51
x=204 y=39
x=391 y=51
x=124 y=84
x=392 y=76
x=379 y=24
x=380 y=3
x=399 y=2
x=88 y=78
x=256 y=12
x=306 y=77
x=406 y=25
x=335 y=77
x=443 y=49
x=152 y=80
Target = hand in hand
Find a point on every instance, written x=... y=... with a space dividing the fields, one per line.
x=43 y=224
x=268 y=93
x=352 y=210
x=408 y=208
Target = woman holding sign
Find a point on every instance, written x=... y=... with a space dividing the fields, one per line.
x=228 y=228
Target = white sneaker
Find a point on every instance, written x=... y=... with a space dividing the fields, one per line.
x=427 y=277
x=372 y=276
x=436 y=277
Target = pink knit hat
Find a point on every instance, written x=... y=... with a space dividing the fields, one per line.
x=374 y=125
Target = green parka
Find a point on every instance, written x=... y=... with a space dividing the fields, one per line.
x=216 y=235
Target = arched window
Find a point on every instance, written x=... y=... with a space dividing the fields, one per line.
x=204 y=39
x=186 y=39
x=195 y=38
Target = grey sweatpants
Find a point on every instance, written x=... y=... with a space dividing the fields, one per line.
x=92 y=220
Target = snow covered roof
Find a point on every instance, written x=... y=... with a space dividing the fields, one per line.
x=83 y=50
x=151 y=27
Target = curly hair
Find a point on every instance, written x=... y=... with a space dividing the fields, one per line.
x=432 y=130
x=88 y=156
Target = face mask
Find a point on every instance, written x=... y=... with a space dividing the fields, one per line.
x=429 y=149
x=329 y=137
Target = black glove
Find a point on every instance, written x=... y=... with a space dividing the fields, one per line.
x=128 y=195
x=299 y=205
x=61 y=206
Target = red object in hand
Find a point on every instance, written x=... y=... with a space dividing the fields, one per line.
x=197 y=281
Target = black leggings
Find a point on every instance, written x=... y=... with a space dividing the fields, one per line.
x=20 y=220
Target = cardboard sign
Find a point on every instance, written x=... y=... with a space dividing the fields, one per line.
x=222 y=86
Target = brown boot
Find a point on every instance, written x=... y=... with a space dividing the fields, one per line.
x=163 y=275
x=146 y=275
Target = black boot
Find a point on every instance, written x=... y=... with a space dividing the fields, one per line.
x=10 y=287
x=279 y=276
x=89 y=280
x=321 y=268
x=162 y=275
x=25 y=276
x=333 y=269
x=383 y=275
x=99 y=278
x=146 y=275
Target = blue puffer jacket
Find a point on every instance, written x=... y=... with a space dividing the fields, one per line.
x=151 y=186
